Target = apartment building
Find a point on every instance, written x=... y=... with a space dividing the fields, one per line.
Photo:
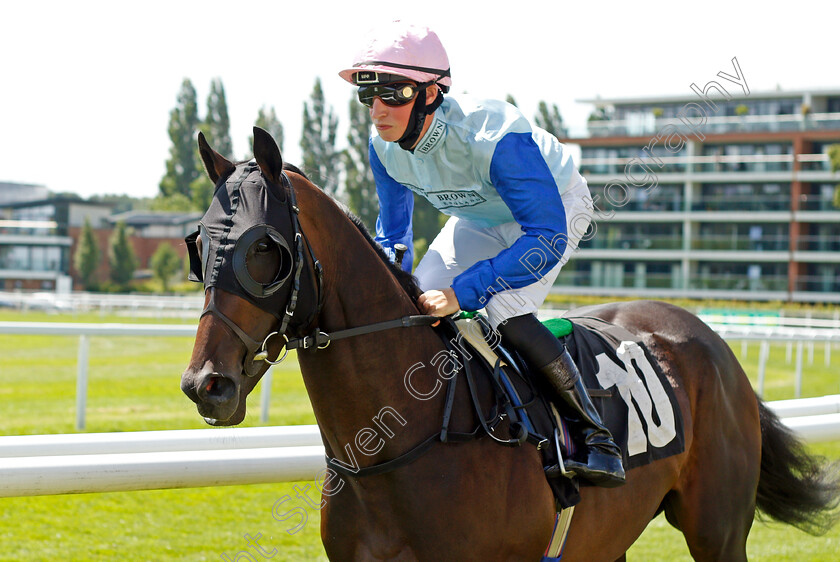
x=36 y=236
x=738 y=203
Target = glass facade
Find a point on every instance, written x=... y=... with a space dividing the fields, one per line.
x=623 y=197
x=747 y=158
x=743 y=197
x=40 y=213
x=636 y=236
x=621 y=274
x=749 y=237
x=729 y=196
x=819 y=237
x=612 y=160
x=33 y=258
x=820 y=197
x=738 y=114
x=820 y=277
x=739 y=276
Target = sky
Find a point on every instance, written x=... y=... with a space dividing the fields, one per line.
x=86 y=87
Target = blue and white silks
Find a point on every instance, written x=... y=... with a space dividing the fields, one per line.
x=481 y=161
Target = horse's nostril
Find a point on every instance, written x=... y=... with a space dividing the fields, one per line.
x=219 y=389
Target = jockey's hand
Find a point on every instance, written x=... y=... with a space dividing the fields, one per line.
x=439 y=303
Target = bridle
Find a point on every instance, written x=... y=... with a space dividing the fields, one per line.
x=258 y=350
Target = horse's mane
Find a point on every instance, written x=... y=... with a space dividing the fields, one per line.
x=406 y=280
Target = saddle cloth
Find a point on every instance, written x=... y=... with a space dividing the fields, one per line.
x=632 y=395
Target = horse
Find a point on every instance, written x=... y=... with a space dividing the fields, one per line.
x=326 y=279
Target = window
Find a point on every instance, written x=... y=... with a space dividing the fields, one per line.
x=740 y=276
x=742 y=197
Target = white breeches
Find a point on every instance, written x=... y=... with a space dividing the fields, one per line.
x=461 y=243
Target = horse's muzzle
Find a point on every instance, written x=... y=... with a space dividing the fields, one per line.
x=215 y=394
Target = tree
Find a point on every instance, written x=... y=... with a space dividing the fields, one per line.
x=165 y=263
x=321 y=160
x=217 y=122
x=176 y=202
x=86 y=259
x=216 y=126
x=267 y=120
x=834 y=157
x=121 y=202
x=201 y=193
x=510 y=99
x=182 y=167
x=550 y=120
x=834 y=162
x=121 y=257
x=598 y=114
x=359 y=183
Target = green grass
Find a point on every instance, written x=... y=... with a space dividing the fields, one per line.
x=767 y=541
x=134 y=385
x=780 y=375
x=191 y=524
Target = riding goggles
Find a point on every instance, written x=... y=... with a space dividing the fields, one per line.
x=391 y=94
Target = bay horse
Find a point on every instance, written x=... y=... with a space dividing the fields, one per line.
x=321 y=274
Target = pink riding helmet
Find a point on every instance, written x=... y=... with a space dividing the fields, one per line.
x=408 y=50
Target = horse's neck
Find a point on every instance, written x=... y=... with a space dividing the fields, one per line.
x=357 y=381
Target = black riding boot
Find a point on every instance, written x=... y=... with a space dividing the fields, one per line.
x=546 y=355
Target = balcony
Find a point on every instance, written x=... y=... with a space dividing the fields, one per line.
x=780 y=165
x=818 y=284
x=739 y=283
x=626 y=281
x=635 y=203
x=815 y=202
x=638 y=242
x=741 y=243
x=818 y=243
x=753 y=163
x=28 y=227
x=38 y=263
x=742 y=203
x=648 y=126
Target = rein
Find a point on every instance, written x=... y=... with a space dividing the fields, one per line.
x=258 y=352
x=321 y=340
x=501 y=409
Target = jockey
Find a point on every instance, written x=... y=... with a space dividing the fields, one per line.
x=517 y=203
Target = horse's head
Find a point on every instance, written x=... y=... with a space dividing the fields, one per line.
x=249 y=253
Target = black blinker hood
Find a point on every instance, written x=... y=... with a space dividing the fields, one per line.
x=248 y=209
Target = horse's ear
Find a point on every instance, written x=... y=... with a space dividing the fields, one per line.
x=217 y=166
x=267 y=155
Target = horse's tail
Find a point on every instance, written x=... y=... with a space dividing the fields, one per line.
x=795 y=487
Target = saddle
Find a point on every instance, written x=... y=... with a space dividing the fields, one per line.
x=530 y=414
x=609 y=359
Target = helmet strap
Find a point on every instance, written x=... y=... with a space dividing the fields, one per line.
x=418 y=117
